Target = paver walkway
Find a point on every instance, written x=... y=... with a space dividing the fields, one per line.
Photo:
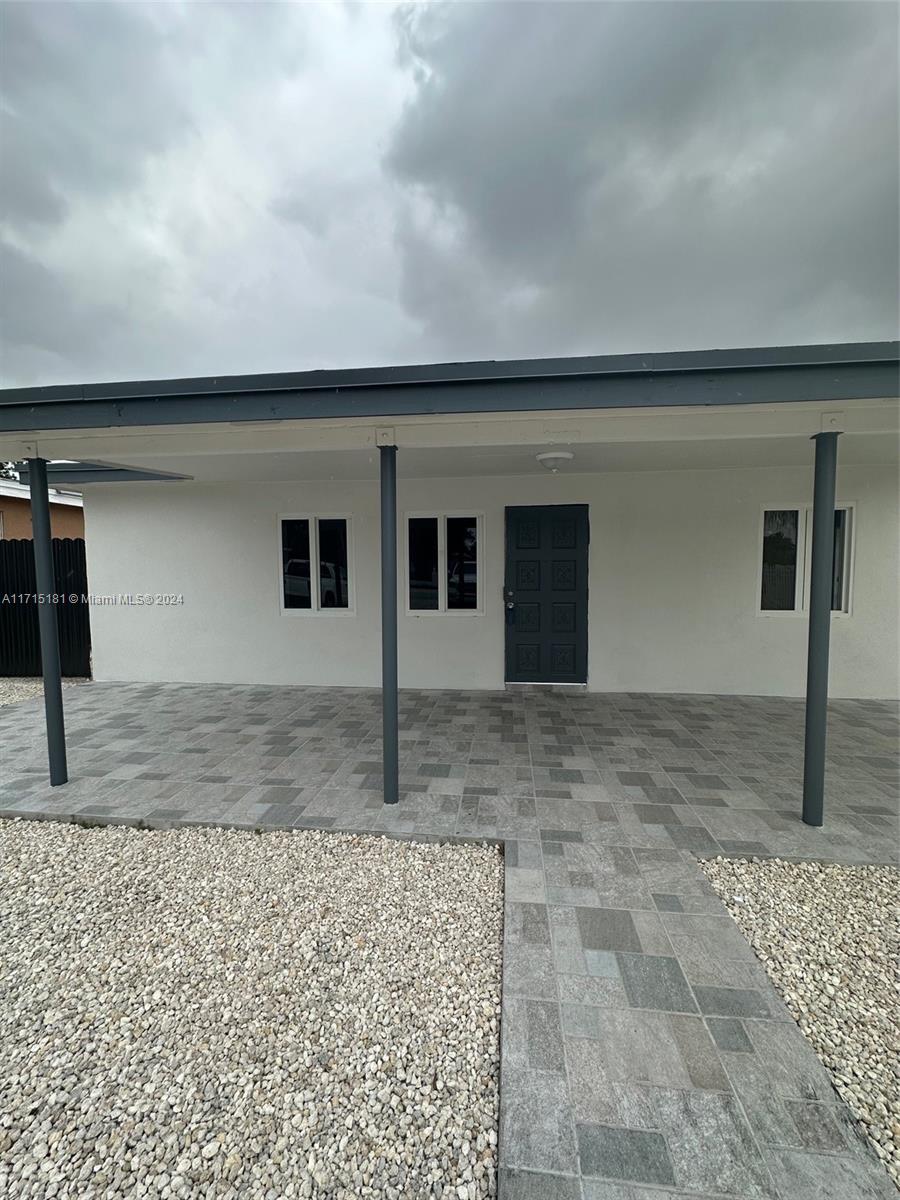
x=644 y=1054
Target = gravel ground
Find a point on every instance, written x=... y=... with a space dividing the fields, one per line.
x=13 y=689
x=212 y=1013
x=829 y=937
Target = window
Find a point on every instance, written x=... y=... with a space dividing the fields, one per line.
x=442 y=563
x=462 y=562
x=781 y=533
x=840 y=571
x=315 y=563
x=333 y=563
x=786 y=559
x=423 y=562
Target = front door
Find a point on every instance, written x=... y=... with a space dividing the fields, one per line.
x=546 y=593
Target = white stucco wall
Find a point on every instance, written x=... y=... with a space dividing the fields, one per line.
x=674 y=578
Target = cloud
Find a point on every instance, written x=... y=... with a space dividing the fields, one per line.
x=201 y=137
x=211 y=188
x=36 y=311
x=650 y=175
x=89 y=90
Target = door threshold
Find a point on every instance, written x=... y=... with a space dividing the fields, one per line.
x=546 y=687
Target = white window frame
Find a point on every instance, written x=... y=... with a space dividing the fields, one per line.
x=316 y=608
x=442 y=610
x=804 y=559
x=800 y=574
x=850 y=563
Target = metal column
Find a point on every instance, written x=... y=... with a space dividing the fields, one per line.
x=389 y=707
x=46 y=587
x=820 y=589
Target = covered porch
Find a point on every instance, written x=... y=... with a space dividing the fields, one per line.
x=640 y=567
x=704 y=774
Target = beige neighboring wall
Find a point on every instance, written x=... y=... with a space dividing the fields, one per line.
x=66 y=520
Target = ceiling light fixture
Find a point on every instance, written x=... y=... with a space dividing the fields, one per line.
x=554 y=459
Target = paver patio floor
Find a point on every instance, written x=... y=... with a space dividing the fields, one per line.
x=644 y=1051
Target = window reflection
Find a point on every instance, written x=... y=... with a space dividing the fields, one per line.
x=779 y=568
x=423 y=563
x=841 y=560
x=333 y=563
x=312 y=579
x=295 y=564
x=462 y=562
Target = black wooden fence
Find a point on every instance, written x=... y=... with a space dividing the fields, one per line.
x=20 y=648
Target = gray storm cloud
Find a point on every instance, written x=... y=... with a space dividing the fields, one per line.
x=191 y=188
x=625 y=177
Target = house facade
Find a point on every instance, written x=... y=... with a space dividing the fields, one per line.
x=709 y=522
x=673 y=589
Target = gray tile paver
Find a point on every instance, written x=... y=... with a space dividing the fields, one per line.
x=536 y=1185
x=535 y=1122
x=645 y=1055
x=804 y=1175
x=607 y=929
x=615 y=1153
x=731 y=1002
x=544 y=1042
x=656 y=981
x=711 y=1144
x=729 y=1034
x=817 y=1127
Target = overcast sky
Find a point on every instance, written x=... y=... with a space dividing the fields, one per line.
x=195 y=189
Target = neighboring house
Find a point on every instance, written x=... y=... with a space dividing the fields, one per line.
x=66 y=514
x=664 y=546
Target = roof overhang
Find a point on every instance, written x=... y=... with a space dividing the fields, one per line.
x=698 y=378
x=79 y=473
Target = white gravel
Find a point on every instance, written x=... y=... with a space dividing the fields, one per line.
x=212 y=1013
x=14 y=689
x=829 y=938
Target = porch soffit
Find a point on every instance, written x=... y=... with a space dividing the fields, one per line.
x=471 y=462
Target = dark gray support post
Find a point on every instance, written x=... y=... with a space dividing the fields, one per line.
x=820 y=587
x=45 y=579
x=389 y=705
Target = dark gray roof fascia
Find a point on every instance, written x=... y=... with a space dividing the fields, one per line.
x=709 y=377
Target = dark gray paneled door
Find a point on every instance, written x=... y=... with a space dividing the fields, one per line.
x=546 y=593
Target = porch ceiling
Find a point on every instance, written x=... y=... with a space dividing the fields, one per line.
x=445 y=445
x=472 y=461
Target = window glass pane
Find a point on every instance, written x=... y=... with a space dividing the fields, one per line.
x=779 y=566
x=333 y=563
x=462 y=562
x=423 y=562
x=295 y=564
x=841 y=560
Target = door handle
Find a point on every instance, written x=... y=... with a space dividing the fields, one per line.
x=509 y=605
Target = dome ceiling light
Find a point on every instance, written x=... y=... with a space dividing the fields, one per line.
x=553 y=460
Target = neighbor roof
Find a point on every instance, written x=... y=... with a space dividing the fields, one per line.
x=21 y=491
x=703 y=377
